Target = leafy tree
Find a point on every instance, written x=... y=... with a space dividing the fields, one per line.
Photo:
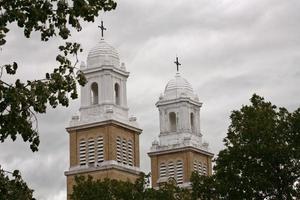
x=86 y=188
x=20 y=101
x=13 y=188
x=262 y=156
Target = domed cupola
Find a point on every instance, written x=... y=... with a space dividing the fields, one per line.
x=178 y=87
x=103 y=54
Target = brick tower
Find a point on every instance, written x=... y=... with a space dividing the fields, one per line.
x=104 y=141
x=180 y=149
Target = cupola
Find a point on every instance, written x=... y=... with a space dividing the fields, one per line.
x=103 y=54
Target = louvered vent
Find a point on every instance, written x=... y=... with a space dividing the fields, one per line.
x=163 y=170
x=130 y=153
x=200 y=168
x=195 y=166
x=119 y=150
x=82 y=152
x=204 y=169
x=179 y=172
x=171 y=169
x=91 y=151
x=124 y=152
x=100 y=152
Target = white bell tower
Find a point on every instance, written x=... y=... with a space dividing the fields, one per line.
x=104 y=96
x=103 y=140
x=179 y=113
x=180 y=149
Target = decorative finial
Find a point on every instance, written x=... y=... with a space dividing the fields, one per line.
x=102 y=28
x=177 y=63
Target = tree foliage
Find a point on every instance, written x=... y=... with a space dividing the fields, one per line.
x=20 y=101
x=262 y=156
x=86 y=188
x=13 y=187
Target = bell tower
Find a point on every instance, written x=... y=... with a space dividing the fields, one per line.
x=104 y=140
x=180 y=149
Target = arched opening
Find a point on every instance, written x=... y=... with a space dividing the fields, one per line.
x=172 y=119
x=94 y=93
x=117 y=94
x=192 y=119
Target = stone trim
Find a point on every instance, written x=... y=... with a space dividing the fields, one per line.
x=106 y=67
x=106 y=165
x=178 y=100
x=111 y=121
x=180 y=149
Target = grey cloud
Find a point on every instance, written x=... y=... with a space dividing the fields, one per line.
x=228 y=50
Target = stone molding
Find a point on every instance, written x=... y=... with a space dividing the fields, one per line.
x=111 y=121
x=106 y=165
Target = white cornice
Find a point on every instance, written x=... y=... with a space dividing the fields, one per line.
x=106 y=67
x=179 y=149
x=101 y=123
x=178 y=100
x=106 y=165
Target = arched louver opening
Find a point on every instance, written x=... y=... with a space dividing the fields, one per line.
x=91 y=151
x=130 y=153
x=179 y=172
x=117 y=94
x=200 y=168
x=124 y=152
x=119 y=150
x=163 y=170
x=82 y=152
x=94 y=93
x=192 y=119
x=100 y=150
x=195 y=166
x=171 y=169
x=173 y=122
x=204 y=169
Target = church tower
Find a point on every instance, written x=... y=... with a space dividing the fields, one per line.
x=180 y=149
x=104 y=141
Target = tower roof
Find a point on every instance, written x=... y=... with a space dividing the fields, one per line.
x=103 y=54
x=177 y=87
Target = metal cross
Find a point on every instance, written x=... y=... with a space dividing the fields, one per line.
x=102 y=28
x=177 y=63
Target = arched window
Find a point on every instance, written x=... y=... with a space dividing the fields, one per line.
x=179 y=172
x=94 y=93
x=192 y=119
x=162 y=170
x=82 y=152
x=172 y=120
x=117 y=94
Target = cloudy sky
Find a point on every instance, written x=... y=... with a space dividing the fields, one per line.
x=228 y=49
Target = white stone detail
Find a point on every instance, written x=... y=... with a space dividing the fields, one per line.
x=104 y=97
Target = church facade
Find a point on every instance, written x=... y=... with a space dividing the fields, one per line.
x=103 y=139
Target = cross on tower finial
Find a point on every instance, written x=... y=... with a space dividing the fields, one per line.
x=102 y=28
x=177 y=63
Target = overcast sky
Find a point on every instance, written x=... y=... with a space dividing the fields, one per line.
x=228 y=49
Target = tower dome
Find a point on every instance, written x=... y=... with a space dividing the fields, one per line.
x=178 y=87
x=103 y=54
